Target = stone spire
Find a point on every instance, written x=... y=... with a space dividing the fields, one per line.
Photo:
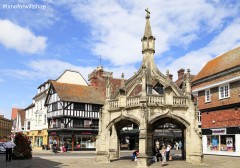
x=148 y=30
x=148 y=40
x=148 y=50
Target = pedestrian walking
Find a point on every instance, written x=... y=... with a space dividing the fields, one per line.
x=177 y=145
x=66 y=146
x=156 y=153
x=168 y=151
x=163 y=153
x=9 y=146
x=180 y=145
x=50 y=143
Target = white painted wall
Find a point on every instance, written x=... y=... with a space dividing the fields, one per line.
x=39 y=120
x=237 y=142
x=204 y=143
x=72 y=77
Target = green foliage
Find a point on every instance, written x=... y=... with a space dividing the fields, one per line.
x=22 y=150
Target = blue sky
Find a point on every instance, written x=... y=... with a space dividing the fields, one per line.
x=39 y=44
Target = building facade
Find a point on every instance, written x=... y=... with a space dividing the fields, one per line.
x=18 y=117
x=73 y=114
x=217 y=87
x=35 y=124
x=149 y=99
x=5 y=128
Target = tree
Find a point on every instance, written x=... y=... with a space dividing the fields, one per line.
x=22 y=150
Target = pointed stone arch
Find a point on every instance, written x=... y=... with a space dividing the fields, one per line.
x=168 y=115
x=120 y=118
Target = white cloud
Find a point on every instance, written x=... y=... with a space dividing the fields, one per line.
x=52 y=69
x=21 y=39
x=226 y=40
x=117 y=26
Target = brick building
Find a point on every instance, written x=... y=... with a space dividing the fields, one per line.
x=218 y=88
x=5 y=128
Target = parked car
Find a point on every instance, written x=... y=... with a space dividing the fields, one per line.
x=2 y=149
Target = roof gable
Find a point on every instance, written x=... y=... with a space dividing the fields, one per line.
x=72 y=77
x=78 y=93
x=219 y=64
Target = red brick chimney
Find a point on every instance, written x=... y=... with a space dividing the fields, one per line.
x=181 y=73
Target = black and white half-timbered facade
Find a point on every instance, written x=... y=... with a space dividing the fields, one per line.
x=73 y=114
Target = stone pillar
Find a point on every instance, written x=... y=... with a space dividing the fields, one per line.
x=143 y=138
x=150 y=143
x=102 y=150
x=113 y=145
x=142 y=157
x=102 y=142
x=193 y=146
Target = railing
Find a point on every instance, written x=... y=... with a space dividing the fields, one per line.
x=113 y=104
x=154 y=99
x=133 y=101
x=179 y=101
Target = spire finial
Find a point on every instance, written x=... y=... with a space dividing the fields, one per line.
x=148 y=13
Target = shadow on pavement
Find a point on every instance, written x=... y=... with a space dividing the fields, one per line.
x=35 y=162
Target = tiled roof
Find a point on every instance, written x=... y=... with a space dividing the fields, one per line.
x=41 y=93
x=14 y=113
x=78 y=93
x=49 y=80
x=221 y=63
x=30 y=106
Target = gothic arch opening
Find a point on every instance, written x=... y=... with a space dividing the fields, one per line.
x=124 y=135
x=165 y=131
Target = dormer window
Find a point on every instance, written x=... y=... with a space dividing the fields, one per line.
x=207 y=95
x=224 y=92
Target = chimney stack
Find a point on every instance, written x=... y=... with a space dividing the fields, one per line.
x=181 y=73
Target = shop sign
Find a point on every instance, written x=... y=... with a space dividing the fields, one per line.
x=86 y=133
x=53 y=133
x=221 y=131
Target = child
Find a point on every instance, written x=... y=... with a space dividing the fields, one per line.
x=134 y=155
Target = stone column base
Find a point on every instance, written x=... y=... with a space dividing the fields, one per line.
x=102 y=157
x=142 y=161
x=195 y=158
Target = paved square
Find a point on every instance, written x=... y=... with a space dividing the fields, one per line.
x=46 y=159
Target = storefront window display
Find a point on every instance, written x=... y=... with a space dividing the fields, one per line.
x=38 y=141
x=85 y=142
x=221 y=143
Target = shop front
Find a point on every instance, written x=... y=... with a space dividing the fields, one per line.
x=76 y=140
x=221 y=141
x=38 y=138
